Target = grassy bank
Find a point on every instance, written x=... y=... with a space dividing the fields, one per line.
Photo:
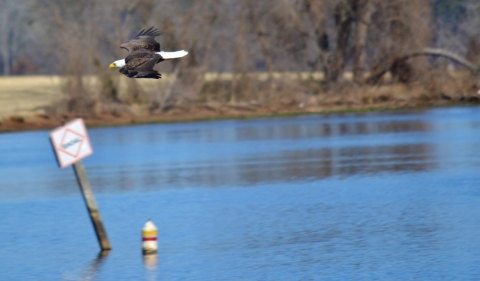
x=25 y=100
x=197 y=114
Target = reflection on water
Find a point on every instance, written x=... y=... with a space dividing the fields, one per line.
x=279 y=129
x=296 y=165
x=92 y=270
x=297 y=131
x=150 y=261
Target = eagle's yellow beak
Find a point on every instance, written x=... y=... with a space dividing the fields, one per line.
x=112 y=65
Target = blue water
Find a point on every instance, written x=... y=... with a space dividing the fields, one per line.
x=345 y=197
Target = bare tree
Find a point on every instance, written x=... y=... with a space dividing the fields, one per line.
x=238 y=54
x=258 y=15
x=364 y=10
x=14 y=32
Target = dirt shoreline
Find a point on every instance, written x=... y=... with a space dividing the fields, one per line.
x=206 y=113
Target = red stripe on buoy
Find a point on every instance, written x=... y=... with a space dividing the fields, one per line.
x=149 y=238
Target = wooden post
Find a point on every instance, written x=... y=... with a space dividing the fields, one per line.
x=87 y=193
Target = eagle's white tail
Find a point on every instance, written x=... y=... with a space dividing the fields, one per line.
x=173 y=55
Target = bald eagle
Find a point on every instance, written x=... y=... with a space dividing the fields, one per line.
x=143 y=53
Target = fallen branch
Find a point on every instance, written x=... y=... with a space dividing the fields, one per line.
x=475 y=69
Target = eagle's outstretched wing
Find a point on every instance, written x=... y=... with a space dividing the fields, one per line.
x=144 y=40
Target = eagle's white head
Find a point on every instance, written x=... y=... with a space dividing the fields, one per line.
x=117 y=63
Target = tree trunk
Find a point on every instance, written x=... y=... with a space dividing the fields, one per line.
x=343 y=19
x=365 y=9
x=6 y=55
x=237 y=59
x=315 y=12
x=259 y=30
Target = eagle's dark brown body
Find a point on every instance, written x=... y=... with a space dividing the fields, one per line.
x=142 y=55
x=139 y=64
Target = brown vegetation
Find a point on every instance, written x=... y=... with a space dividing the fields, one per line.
x=246 y=57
